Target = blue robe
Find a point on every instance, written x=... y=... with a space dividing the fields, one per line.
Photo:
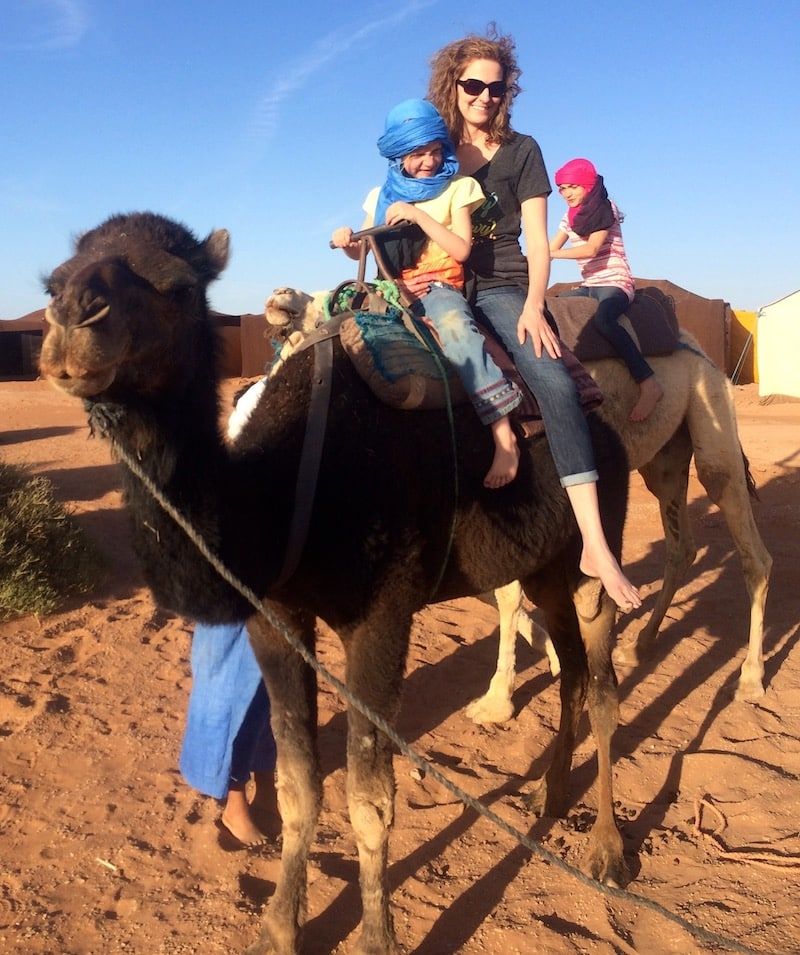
x=227 y=734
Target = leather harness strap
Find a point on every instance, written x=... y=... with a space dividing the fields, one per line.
x=311 y=454
x=317 y=422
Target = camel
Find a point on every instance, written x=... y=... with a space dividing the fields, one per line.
x=696 y=417
x=129 y=334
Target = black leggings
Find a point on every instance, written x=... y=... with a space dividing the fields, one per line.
x=612 y=302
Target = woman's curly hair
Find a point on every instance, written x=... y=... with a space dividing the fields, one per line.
x=449 y=63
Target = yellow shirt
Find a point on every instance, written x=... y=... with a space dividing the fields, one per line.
x=460 y=191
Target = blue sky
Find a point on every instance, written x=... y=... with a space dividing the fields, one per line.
x=262 y=117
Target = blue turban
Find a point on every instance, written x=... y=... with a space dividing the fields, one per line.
x=410 y=125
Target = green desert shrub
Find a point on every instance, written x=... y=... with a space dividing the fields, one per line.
x=44 y=555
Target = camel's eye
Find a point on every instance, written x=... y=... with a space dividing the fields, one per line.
x=96 y=310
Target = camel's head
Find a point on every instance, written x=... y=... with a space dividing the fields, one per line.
x=124 y=307
x=289 y=309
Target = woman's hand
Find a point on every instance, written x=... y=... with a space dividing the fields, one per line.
x=416 y=286
x=532 y=323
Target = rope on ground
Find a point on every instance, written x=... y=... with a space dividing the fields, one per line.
x=621 y=895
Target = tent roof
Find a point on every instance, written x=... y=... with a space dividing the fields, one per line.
x=32 y=322
x=782 y=299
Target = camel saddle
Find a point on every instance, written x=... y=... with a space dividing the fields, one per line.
x=650 y=320
x=398 y=357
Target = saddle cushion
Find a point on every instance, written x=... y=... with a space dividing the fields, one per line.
x=400 y=369
x=650 y=320
x=396 y=365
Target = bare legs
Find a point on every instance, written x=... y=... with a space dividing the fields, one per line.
x=596 y=558
x=506 y=455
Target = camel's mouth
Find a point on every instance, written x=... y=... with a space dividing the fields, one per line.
x=90 y=386
x=278 y=314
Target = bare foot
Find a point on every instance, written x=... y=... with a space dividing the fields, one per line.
x=230 y=840
x=505 y=463
x=650 y=393
x=236 y=819
x=617 y=585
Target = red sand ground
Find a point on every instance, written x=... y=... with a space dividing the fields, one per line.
x=105 y=850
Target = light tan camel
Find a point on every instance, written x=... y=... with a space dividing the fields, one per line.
x=696 y=417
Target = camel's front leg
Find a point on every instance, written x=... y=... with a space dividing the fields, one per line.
x=495 y=705
x=550 y=795
x=292 y=689
x=596 y=612
x=376 y=654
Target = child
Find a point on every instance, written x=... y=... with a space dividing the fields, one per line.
x=423 y=187
x=592 y=225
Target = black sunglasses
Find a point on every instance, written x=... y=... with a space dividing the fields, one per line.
x=476 y=87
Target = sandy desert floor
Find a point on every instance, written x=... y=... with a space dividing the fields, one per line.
x=103 y=849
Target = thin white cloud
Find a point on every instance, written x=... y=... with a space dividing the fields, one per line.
x=322 y=52
x=42 y=25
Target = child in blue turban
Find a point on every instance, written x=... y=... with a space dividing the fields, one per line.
x=423 y=187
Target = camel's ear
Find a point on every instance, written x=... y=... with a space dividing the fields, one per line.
x=217 y=248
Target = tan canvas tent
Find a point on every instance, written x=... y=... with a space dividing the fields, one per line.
x=779 y=348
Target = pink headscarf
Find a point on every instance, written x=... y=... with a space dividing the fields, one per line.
x=577 y=172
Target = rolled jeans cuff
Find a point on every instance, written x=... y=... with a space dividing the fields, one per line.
x=585 y=477
x=496 y=401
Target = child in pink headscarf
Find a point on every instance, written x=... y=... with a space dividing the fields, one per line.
x=592 y=226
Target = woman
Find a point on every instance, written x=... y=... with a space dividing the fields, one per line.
x=473 y=84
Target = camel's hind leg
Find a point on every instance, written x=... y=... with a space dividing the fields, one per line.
x=376 y=654
x=292 y=689
x=722 y=470
x=667 y=478
x=582 y=628
x=495 y=705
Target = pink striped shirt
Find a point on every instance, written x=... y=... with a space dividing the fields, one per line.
x=610 y=265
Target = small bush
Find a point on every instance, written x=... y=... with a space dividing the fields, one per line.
x=44 y=556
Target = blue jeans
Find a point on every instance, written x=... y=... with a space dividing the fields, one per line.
x=612 y=303
x=491 y=394
x=551 y=383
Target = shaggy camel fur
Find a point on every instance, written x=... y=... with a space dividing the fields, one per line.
x=130 y=335
x=696 y=417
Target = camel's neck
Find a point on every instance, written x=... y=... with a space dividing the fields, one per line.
x=176 y=442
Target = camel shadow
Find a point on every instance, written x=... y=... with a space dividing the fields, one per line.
x=84 y=484
x=34 y=434
x=108 y=528
x=109 y=532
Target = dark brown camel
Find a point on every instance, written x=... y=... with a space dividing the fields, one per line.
x=129 y=333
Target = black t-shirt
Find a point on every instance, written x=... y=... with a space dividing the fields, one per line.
x=515 y=173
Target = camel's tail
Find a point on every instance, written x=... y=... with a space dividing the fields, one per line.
x=752 y=490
